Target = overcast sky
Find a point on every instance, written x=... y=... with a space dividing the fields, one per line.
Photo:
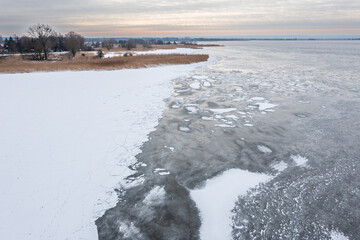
x=108 y=18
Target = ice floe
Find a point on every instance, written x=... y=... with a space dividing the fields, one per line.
x=265 y=106
x=195 y=85
x=222 y=110
x=192 y=109
x=224 y=125
x=207 y=84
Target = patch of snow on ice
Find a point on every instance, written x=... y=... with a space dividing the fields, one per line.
x=216 y=200
x=248 y=125
x=155 y=195
x=299 y=160
x=336 y=235
x=222 y=110
x=264 y=149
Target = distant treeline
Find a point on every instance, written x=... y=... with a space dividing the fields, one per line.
x=42 y=39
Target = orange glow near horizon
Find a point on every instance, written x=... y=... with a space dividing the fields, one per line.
x=258 y=32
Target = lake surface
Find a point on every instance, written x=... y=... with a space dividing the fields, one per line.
x=287 y=109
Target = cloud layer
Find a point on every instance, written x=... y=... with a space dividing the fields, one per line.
x=184 y=18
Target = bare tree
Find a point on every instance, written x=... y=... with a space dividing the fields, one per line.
x=108 y=44
x=74 y=42
x=44 y=35
x=1 y=43
x=130 y=44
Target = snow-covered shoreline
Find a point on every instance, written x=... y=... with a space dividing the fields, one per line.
x=67 y=141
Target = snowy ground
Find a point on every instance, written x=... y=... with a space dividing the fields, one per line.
x=156 y=51
x=67 y=139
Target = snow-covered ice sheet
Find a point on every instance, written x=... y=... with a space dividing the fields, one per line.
x=216 y=199
x=67 y=139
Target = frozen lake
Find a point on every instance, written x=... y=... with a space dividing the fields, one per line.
x=261 y=142
x=288 y=110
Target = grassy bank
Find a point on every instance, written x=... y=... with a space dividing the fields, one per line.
x=17 y=64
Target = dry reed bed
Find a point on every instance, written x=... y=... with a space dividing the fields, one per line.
x=16 y=65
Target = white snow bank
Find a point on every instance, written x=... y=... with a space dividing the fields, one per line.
x=66 y=141
x=216 y=200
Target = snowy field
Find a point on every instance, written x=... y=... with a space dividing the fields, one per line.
x=156 y=51
x=67 y=139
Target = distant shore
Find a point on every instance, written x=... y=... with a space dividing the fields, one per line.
x=121 y=59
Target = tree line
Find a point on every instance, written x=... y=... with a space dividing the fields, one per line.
x=42 y=39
